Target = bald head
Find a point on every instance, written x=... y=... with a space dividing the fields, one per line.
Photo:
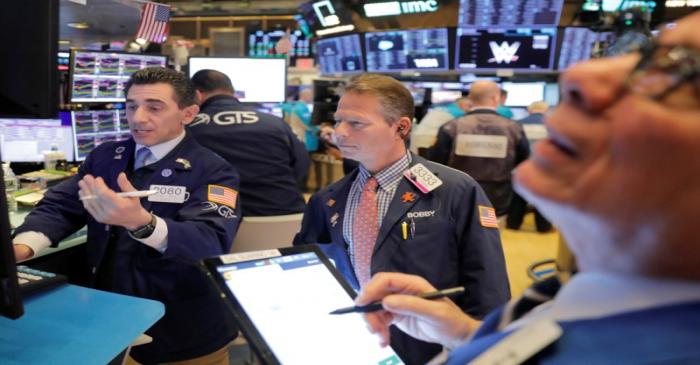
x=209 y=83
x=538 y=107
x=484 y=93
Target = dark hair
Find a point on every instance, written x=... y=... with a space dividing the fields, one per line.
x=184 y=91
x=211 y=80
x=394 y=98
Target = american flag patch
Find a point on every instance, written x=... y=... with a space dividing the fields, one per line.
x=487 y=215
x=222 y=195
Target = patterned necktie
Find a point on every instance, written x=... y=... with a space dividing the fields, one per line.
x=142 y=156
x=364 y=231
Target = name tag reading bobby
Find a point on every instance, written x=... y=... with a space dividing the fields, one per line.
x=168 y=194
x=479 y=145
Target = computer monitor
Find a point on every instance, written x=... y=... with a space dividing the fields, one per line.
x=94 y=127
x=10 y=301
x=25 y=140
x=340 y=54
x=443 y=96
x=521 y=49
x=28 y=77
x=509 y=13
x=100 y=76
x=522 y=94
x=261 y=43
x=256 y=80
x=400 y=50
x=580 y=44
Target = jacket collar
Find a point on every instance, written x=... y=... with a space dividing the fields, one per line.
x=216 y=98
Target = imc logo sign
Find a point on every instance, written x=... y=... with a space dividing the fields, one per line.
x=400 y=7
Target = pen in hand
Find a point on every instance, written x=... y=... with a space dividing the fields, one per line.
x=376 y=306
x=127 y=194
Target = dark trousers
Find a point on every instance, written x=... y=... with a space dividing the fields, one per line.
x=517 y=211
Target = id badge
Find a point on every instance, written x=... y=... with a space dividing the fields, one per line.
x=422 y=178
x=169 y=194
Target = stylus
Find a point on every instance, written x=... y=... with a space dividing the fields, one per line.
x=375 y=306
x=127 y=194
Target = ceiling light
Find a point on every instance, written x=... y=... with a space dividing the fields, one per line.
x=79 y=25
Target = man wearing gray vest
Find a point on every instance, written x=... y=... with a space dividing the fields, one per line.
x=484 y=144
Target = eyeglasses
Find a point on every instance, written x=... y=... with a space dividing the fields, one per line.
x=663 y=69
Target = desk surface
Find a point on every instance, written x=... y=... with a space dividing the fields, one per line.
x=75 y=325
x=78 y=238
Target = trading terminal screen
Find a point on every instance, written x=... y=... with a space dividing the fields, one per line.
x=340 y=54
x=26 y=140
x=578 y=45
x=523 y=49
x=262 y=43
x=508 y=13
x=421 y=49
x=100 y=76
x=94 y=127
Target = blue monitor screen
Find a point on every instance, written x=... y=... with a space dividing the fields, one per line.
x=508 y=13
x=522 y=49
x=94 y=127
x=578 y=45
x=394 y=51
x=100 y=76
x=340 y=54
x=262 y=43
x=26 y=140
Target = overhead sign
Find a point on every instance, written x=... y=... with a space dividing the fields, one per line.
x=387 y=8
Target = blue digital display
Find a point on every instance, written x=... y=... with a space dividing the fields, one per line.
x=340 y=54
x=394 y=51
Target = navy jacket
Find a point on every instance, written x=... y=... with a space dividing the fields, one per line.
x=450 y=247
x=270 y=158
x=661 y=335
x=195 y=322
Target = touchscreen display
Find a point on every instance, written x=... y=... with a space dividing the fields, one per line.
x=288 y=299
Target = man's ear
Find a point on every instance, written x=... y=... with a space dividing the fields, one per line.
x=189 y=113
x=403 y=127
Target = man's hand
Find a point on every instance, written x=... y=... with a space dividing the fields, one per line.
x=109 y=208
x=22 y=252
x=438 y=321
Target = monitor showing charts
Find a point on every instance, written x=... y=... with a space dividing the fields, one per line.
x=26 y=140
x=100 y=76
x=399 y=50
x=522 y=49
x=94 y=127
x=261 y=43
x=340 y=54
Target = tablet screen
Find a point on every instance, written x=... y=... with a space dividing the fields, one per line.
x=288 y=299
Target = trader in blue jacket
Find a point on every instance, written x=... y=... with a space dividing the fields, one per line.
x=149 y=247
x=272 y=161
x=400 y=212
x=636 y=297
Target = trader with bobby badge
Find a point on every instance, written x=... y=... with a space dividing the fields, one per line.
x=398 y=212
x=150 y=247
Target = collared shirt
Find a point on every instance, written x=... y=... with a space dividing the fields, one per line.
x=38 y=241
x=590 y=295
x=388 y=180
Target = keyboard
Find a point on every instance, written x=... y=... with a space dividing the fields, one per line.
x=32 y=280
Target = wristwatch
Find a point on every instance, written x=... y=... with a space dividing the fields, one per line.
x=145 y=231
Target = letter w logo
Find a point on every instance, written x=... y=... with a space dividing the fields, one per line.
x=503 y=53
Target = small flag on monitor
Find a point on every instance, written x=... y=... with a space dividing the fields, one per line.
x=487 y=215
x=154 y=22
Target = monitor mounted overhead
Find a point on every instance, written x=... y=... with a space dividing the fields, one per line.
x=340 y=54
x=401 y=50
x=513 y=14
x=100 y=76
x=255 y=80
x=261 y=43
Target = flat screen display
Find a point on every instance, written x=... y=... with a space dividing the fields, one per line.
x=100 y=76
x=395 y=51
x=94 y=127
x=340 y=54
x=578 y=44
x=261 y=43
x=522 y=94
x=282 y=299
x=259 y=80
x=26 y=140
x=486 y=13
x=523 y=49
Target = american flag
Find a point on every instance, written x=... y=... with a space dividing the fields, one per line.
x=154 y=22
x=487 y=215
x=222 y=195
